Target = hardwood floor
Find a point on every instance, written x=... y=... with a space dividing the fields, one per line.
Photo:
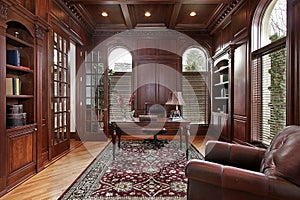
x=56 y=178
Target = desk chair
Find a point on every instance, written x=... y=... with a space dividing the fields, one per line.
x=160 y=112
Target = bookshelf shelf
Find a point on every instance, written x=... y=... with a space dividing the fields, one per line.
x=222 y=83
x=20 y=96
x=221 y=98
x=11 y=131
x=12 y=68
x=223 y=69
x=17 y=42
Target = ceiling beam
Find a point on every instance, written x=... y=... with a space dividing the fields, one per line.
x=126 y=15
x=174 y=15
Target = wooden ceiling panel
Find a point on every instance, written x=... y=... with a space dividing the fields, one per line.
x=159 y=13
x=115 y=14
x=130 y=14
x=203 y=13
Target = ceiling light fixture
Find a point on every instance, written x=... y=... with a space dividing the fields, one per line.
x=147 y=14
x=104 y=14
x=193 y=14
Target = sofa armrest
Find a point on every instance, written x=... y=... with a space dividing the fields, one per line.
x=200 y=170
x=235 y=182
x=236 y=155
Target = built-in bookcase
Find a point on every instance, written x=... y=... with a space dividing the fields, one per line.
x=221 y=98
x=20 y=112
x=20 y=89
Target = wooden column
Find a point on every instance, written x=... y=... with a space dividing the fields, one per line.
x=3 y=145
x=293 y=63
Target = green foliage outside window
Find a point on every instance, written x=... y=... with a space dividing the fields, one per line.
x=277 y=89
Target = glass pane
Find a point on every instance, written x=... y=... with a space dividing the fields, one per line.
x=65 y=90
x=120 y=60
x=65 y=46
x=88 y=102
x=60 y=59
x=88 y=68
x=273 y=94
x=274 y=22
x=88 y=80
x=88 y=92
x=55 y=60
x=55 y=89
x=60 y=43
x=194 y=60
x=65 y=61
x=65 y=119
x=55 y=121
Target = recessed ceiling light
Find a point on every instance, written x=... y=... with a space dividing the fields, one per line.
x=147 y=14
x=193 y=14
x=104 y=14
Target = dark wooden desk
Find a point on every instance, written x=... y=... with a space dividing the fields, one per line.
x=130 y=126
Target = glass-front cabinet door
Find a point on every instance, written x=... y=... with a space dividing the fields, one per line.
x=60 y=96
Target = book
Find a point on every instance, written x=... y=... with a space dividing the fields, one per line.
x=16 y=86
x=13 y=57
x=13 y=86
x=9 y=86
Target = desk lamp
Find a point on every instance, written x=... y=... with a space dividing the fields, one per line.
x=177 y=100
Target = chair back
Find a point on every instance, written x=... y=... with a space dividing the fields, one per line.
x=156 y=109
x=282 y=157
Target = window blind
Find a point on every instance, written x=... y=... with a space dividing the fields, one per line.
x=195 y=95
x=268 y=103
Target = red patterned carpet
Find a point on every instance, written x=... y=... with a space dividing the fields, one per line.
x=140 y=171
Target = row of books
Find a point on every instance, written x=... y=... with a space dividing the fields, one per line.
x=13 y=86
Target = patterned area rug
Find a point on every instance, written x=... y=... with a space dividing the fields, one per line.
x=140 y=171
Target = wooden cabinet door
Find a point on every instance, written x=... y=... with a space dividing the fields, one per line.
x=154 y=80
x=156 y=73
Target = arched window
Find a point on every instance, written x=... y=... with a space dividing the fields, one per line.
x=120 y=87
x=194 y=60
x=268 y=71
x=194 y=87
x=120 y=60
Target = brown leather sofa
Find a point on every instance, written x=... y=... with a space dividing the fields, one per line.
x=232 y=171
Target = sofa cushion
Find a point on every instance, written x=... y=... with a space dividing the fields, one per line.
x=282 y=157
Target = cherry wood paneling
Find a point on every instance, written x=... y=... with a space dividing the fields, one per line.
x=3 y=153
x=57 y=11
x=240 y=80
x=239 y=130
x=240 y=21
x=21 y=154
x=156 y=74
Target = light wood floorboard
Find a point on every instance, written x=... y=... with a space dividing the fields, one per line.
x=56 y=178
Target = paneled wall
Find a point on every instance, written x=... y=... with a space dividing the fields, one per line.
x=236 y=31
x=157 y=73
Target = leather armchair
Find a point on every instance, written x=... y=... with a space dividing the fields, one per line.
x=233 y=171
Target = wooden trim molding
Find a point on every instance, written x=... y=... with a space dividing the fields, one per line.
x=3 y=10
x=293 y=63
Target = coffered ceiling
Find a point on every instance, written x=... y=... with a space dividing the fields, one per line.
x=130 y=14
